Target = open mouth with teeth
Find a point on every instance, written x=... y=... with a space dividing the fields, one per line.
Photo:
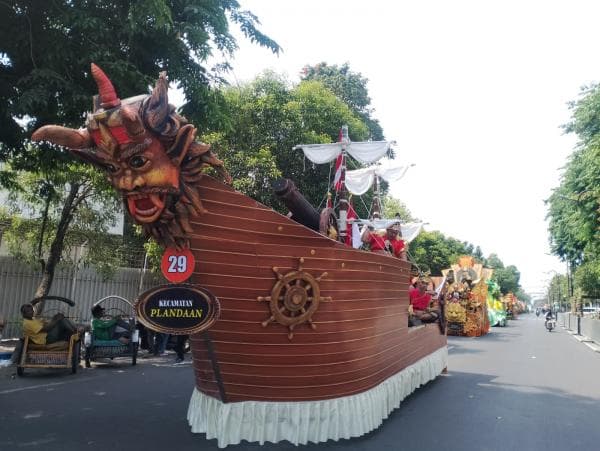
x=146 y=207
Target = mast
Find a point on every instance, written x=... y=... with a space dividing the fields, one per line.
x=376 y=202
x=366 y=152
x=343 y=199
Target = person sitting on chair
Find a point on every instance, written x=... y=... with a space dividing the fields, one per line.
x=42 y=332
x=109 y=329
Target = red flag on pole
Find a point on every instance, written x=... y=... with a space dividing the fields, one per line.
x=351 y=216
x=337 y=179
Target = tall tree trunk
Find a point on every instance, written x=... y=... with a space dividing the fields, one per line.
x=43 y=229
x=56 y=248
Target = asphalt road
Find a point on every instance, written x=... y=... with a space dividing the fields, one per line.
x=518 y=388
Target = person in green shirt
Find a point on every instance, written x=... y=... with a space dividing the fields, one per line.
x=109 y=328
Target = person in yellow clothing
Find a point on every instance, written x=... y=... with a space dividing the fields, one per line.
x=43 y=332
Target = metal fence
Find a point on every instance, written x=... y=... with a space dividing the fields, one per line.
x=85 y=286
x=589 y=326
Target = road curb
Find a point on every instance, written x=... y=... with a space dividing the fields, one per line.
x=593 y=346
x=583 y=339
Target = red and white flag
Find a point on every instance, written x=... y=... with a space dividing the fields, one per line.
x=337 y=179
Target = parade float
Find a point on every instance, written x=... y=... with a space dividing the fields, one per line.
x=302 y=337
x=513 y=306
x=495 y=308
x=465 y=293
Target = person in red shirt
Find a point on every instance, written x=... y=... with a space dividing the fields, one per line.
x=388 y=243
x=419 y=297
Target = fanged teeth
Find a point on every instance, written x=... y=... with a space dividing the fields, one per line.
x=156 y=200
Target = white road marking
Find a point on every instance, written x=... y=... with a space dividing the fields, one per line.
x=33 y=387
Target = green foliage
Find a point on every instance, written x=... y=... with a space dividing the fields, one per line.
x=46 y=48
x=154 y=255
x=35 y=211
x=349 y=86
x=432 y=251
x=574 y=206
x=508 y=279
x=587 y=277
x=393 y=206
x=265 y=119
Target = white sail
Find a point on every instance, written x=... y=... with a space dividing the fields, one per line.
x=366 y=151
x=358 y=181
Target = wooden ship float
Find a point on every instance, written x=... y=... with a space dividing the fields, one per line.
x=312 y=342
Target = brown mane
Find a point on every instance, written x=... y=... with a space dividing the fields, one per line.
x=173 y=226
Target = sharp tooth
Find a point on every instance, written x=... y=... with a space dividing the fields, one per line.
x=156 y=200
x=131 y=205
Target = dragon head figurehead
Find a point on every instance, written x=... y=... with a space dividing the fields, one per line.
x=149 y=153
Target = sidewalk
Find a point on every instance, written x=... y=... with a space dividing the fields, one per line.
x=583 y=339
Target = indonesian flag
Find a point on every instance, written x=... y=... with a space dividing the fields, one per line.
x=337 y=179
x=352 y=232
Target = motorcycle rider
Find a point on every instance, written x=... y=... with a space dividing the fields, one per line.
x=549 y=316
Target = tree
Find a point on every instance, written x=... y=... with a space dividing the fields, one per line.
x=433 y=251
x=508 y=279
x=393 y=206
x=45 y=54
x=574 y=206
x=349 y=86
x=266 y=118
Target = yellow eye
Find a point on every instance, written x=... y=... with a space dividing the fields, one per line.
x=137 y=161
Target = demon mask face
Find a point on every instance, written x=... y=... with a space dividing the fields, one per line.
x=149 y=154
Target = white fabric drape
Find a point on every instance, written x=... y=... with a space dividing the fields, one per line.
x=310 y=421
x=356 y=238
x=366 y=152
x=410 y=230
x=358 y=181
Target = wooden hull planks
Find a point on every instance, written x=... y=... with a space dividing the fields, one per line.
x=357 y=337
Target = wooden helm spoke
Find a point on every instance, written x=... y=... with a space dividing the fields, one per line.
x=290 y=303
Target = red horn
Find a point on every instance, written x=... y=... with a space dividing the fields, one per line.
x=108 y=95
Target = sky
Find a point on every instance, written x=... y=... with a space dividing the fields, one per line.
x=473 y=92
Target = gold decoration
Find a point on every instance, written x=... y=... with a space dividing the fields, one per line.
x=455 y=313
x=294 y=299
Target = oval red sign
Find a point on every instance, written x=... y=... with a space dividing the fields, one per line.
x=177 y=265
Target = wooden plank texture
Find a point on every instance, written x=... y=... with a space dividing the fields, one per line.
x=358 y=339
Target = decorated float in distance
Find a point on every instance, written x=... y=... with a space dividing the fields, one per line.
x=465 y=294
x=513 y=306
x=295 y=336
x=495 y=308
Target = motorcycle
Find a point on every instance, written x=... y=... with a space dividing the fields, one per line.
x=550 y=324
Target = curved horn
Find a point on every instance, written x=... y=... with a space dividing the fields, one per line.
x=63 y=136
x=106 y=90
x=156 y=107
x=79 y=142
